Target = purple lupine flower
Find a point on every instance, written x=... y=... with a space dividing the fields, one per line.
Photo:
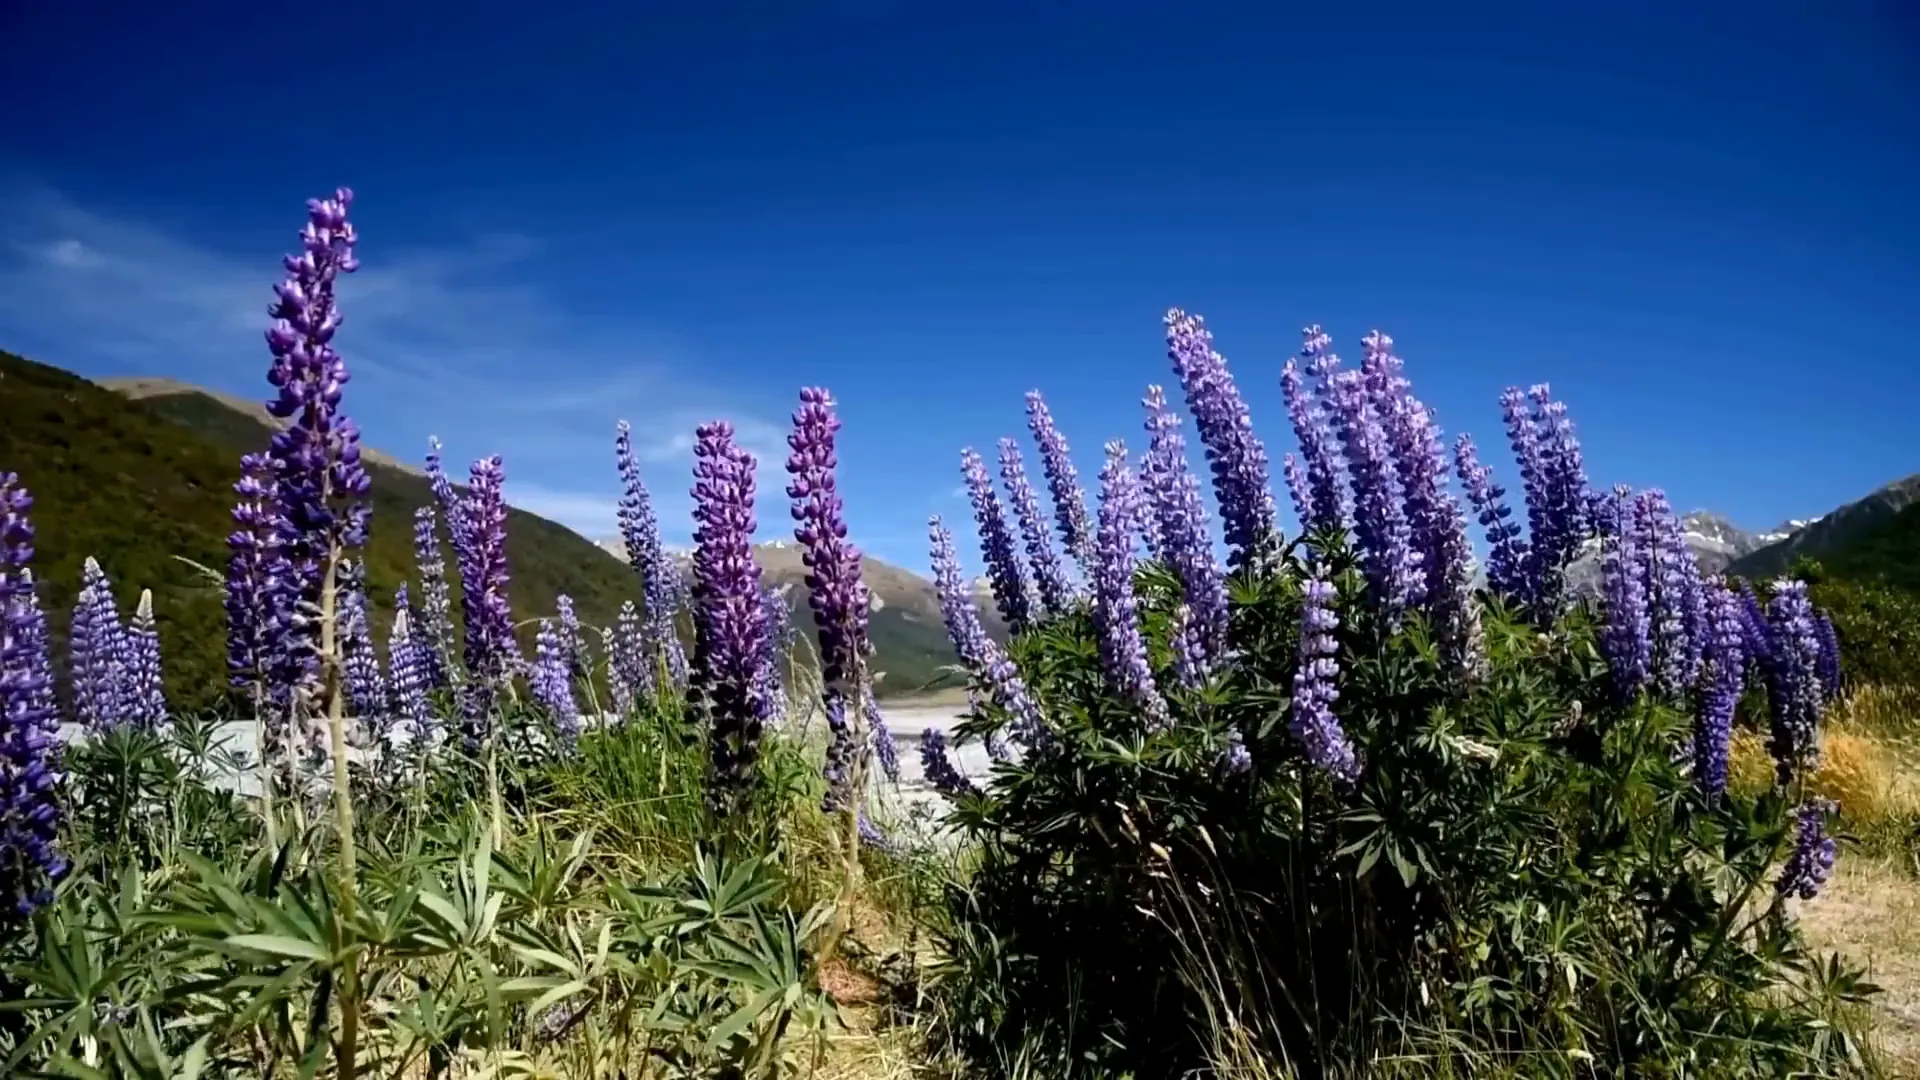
x=256 y=619
x=366 y=688
x=407 y=665
x=490 y=651
x=551 y=683
x=1727 y=671
x=1011 y=590
x=1049 y=574
x=618 y=689
x=1463 y=646
x=1414 y=440
x=1793 y=686
x=573 y=645
x=1753 y=627
x=1626 y=639
x=1237 y=457
x=630 y=674
x=1236 y=759
x=1189 y=654
x=1063 y=482
x=773 y=655
x=317 y=453
x=729 y=615
x=836 y=591
x=1670 y=578
x=1297 y=487
x=97 y=648
x=1315 y=685
x=1380 y=525
x=30 y=811
x=659 y=577
x=1810 y=863
x=1507 y=553
x=1116 y=611
x=938 y=768
x=1322 y=500
x=434 y=626
x=1829 y=665
x=1173 y=498
x=147 y=698
x=983 y=658
x=1556 y=484
x=872 y=837
x=885 y=751
x=1524 y=436
x=443 y=492
x=841 y=751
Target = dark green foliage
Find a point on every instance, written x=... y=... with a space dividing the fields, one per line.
x=1524 y=878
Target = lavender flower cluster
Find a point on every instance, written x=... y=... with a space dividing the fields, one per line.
x=30 y=812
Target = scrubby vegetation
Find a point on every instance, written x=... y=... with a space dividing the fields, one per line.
x=1325 y=809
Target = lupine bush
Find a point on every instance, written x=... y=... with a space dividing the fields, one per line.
x=1387 y=820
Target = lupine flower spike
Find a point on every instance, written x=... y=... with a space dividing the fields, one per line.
x=1063 y=482
x=30 y=812
x=729 y=616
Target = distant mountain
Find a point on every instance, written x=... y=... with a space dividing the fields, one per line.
x=909 y=635
x=1857 y=524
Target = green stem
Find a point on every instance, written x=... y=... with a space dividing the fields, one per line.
x=346 y=1053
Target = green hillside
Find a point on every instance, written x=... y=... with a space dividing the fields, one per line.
x=135 y=483
x=1863 y=563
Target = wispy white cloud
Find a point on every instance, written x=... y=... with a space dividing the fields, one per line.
x=465 y=342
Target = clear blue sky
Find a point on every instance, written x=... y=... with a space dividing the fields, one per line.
x=1699 y=227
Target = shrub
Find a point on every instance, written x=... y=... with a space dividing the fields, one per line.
x=1382 y=822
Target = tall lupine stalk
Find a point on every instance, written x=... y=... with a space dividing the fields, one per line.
x=1810 y=863
x=729 y=617
x=1063 y=482
x=366 y=686
x=1433 y=513
x=1506 y=552
x=1384 y=536
x=434 y=627
x=1829 y=666
x=97 y=649
x=1316 y=684
x=321 y=480
x=259 y=625
x=1558 y=508
x=1173 y=496
x=773 y=657
x=551 y=684
x=1672 y=581
x=1317 y=484
x=1049 y=574
x=985 y=661
x=30 y=811
x=659 y=577
x=842 y=606
x=490 y=650
x=573 y=645
x=407 y=667
x=1793 y=684
x=1012 y=593
x=1116 y=609
x=1626 y=638
x=632 y=676
x=1726 y=663
x=147 y=698
x=1236 y=455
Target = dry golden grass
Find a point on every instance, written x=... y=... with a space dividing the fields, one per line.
x=1870 y=913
